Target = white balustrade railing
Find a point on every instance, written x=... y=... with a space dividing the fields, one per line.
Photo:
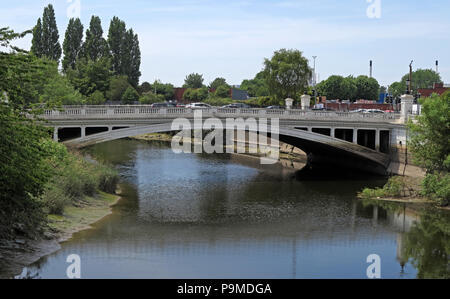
x=142 y=111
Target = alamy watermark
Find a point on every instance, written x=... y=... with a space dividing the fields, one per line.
x=74 y=9
x=250 y=135
x=374 y=9
x=374 y=269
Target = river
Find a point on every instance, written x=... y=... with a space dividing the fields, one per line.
x=225 y=216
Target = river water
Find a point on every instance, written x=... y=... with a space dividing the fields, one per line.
x=225 y=216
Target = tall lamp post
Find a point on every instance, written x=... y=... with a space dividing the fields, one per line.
x=314 y=81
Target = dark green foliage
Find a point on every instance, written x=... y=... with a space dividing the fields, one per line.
x=222 y=91
x=338 y=88
x=430 y=144
x=256 y=87
x=50 y=36
x=219 y=82
x=36 y=43
x=97 y=98
x=60 y=92
x=151 y=98
x=125 y=51
x=118 y=86
x=95 y=47
x=72 y=43
x=195 y=95
x=421 y=78
x=430 y=140
x=23 y=173
x=367 y=88
x=130 y=96
x=287 y=74
x=166 y=90
x=194 y=81
x=145 y=87
x=90 y=76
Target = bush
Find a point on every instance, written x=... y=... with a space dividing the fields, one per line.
x=118 y=86
x=219 y=101
x=130 y=96
x=97 y=98
x=222 y=92
x=393 y=188
x=55 y=199
x=108 y=179
x=436 y=187
x=151 y=98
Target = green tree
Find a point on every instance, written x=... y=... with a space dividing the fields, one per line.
x=338 y=88
x=256 y=87
x=118 y=86
x=22 y=76
x=50 y=36
x=430 y=145
x=367 y=88
x=72 y=43
x=116 y=38
x=287 y=74
x=151 y=98
x=125 y=51
x=145 y=87
x=396 y=89
x=130 y=96
x=95 y=46
x=193 y=80
x=97 y=98
x=218 y=82
x=60 y=92
x=36 y=42
x=166 y=90
x=222 y=92
x=132 y=58
x=430 y=141
x=422 y=78
x=90 y=76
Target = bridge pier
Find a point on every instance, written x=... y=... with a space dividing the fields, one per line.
x=83 y=131
x=55 y=134
x=355 y=136
x=377 y=140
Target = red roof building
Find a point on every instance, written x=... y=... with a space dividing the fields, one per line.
x=438 y=88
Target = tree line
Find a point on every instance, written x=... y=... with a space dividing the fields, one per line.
x=91 y=64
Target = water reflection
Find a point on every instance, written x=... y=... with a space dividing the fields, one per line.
x=195 y=216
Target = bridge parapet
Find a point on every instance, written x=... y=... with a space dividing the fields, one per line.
x=145 y=111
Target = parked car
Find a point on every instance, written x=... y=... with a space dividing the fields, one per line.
x=359 y=111
x=162 y=105
x=377 y=111
x=323 y=109
x=275 y=107
x=198 y=106
x=236 y=106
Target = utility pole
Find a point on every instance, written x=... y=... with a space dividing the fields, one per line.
x=410 y=77
x=314 y=81
x=371 y=68
x=437 y=66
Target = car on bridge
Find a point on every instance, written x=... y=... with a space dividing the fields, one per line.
x=236 y=106
x=163 y=105
x=378 y=111
x=198 y=106
x=275 y=107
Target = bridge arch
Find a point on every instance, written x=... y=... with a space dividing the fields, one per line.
x=320 y=149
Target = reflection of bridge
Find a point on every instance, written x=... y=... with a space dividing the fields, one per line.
x=352 y=140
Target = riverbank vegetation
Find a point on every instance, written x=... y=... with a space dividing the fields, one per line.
x=430 y=145
x=38 y=177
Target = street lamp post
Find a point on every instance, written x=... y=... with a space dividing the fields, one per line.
x=314 y=81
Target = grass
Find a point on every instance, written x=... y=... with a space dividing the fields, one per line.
x=80 y=216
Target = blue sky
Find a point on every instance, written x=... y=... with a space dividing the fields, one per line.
x=231 y=38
